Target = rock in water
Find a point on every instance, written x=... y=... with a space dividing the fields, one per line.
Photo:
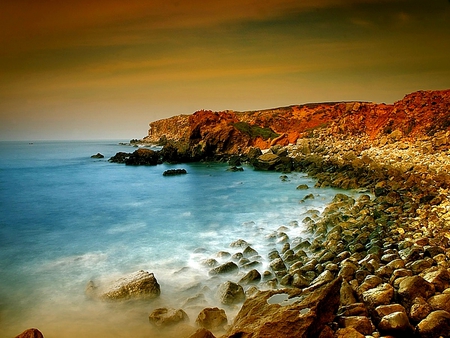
x=212 y=319
x=98 y=155
x=31 y=333
x=172 y=172
x=230 y=293
x=139 y=285
x=165 y=317
x=303 y=316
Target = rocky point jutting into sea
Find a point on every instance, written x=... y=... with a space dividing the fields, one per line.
x=376 y=266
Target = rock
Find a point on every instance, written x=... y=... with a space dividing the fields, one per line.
x=305 y=316
x=226 y=268
x=356 y=309
x=235 y=169
x=438 y=276
x=30 y=333
x=212 y=319
x=120 y=157
x=202 y=333
x=98 y=155
x=381 y=295
x=302 y=187
x=436 y=324
x=173 y=172
x=139 y=285
x=420 y=309
x=240 y=243
x=348 y=332
x=412 y=287
x=384 y=310
x=143 y=157
x=230 y=293
x=361 y=324
x=266 y=162
x=395 y=324
x=249 y=252
x=163 y=317
x=347 y=294
x=278 y=265
x=253 y=276
x=440 y=302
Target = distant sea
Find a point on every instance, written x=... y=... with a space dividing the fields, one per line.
x=67 y=218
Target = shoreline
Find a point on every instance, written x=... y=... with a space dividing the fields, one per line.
x=379 y=247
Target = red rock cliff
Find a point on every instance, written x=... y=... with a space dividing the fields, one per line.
x=419 y=113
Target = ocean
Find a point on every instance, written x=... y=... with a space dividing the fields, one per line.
x=67 y=219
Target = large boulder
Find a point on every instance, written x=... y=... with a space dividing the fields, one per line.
x=225 y=268
x=436 y=324
x=163 y=317
x=212 y=319
x=139 y=285
x=266 y=161
x=304 y=314
x=230 y=293
x=412 y=287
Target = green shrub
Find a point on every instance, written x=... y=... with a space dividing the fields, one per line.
x=254 y=131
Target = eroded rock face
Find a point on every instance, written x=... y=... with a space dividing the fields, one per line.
x=139 y=285
x=306 y=316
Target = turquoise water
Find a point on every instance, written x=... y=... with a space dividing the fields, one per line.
x=66 y=219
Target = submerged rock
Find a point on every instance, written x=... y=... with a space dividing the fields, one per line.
x=166 y=316
x=212 y=319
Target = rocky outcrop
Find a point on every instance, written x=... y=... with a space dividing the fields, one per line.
x=206 y=133
x=304 y=315
x=163 y=317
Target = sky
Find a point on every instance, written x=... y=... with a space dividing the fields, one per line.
x=105 y=69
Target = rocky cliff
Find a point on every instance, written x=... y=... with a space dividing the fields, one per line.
x=206 y=132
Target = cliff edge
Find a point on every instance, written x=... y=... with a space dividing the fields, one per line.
x=207 y=133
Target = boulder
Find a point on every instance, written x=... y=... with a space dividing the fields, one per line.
x=30 y=333
x=438 y=276
x=304 y=314
x=362 y=324
x=253 y=276
x=436 y=324
x=395 y=324
x=225 y=268
x=139 y=285
x=143 y=156
x=412 y=287
x=212 y=319
x=163 y=317
x=440 y=302
x=119 y=157
x=98 y=155
x=380 y=295
x=249 y=252
x=266 y=161
x=230 y=293
x=173 y=172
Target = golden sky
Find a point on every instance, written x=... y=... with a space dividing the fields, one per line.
x=104 y=69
